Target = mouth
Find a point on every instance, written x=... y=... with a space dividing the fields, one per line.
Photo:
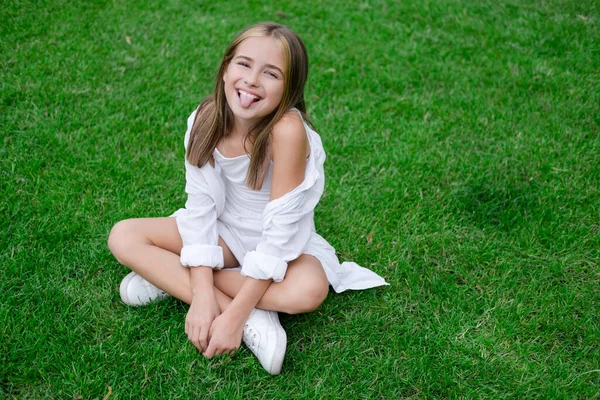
x=247 y=98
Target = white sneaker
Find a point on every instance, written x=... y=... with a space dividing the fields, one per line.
x=136 y=291
x=266 y=338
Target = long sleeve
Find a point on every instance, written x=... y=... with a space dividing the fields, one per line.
x=286 y=232
x=197 y=222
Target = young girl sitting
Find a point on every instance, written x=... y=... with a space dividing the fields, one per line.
x=244 y=247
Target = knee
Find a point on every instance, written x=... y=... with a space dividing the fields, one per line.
x=306 y=299
x=118 y=238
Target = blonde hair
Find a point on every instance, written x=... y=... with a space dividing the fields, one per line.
x=214 y=118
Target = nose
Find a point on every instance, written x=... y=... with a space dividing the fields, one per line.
x=251 y=78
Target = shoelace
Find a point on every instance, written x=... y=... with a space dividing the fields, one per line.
x=250 y=336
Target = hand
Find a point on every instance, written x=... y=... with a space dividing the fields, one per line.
x=198 y=321
x=225 y=335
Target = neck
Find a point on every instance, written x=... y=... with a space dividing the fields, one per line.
x=240 y=128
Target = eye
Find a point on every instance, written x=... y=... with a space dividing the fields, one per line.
x=243 y=64
x=273 y=74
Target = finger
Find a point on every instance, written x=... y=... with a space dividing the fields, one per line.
x=194 y=334
x=210 y=351
x=190 y=332
x=203 y=338
x=219 y=352
x=201 y=344
x=226 y=351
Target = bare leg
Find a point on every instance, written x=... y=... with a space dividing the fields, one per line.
x=304 y=288
x=151 y=248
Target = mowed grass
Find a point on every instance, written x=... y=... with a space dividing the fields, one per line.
x=463 y=166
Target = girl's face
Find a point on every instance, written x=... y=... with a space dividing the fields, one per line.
x=254 y=79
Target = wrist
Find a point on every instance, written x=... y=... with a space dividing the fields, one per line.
x=203 y=292
x=201 y=279
x=238 y=312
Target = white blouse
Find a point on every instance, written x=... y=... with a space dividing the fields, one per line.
x=266 y=240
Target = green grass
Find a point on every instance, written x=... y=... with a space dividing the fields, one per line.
x=464 y=136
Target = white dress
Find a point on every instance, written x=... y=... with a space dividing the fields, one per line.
x=263 y=235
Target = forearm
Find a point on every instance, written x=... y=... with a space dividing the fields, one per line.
x=248 y=296
x=203 y=307
x=201 y=281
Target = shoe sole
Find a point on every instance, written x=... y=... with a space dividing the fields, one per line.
x=279 y=354
x=123 y=289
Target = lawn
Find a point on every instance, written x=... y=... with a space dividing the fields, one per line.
x=463 y=165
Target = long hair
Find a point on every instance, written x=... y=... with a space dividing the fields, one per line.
x=214 y=119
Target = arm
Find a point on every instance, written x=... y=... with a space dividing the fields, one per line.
x=289 y=149
x=197 y=225
x=287 y=220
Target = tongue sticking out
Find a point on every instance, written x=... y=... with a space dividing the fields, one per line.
x=246 y=99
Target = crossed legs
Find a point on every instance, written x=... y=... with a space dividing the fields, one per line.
x=151 y=248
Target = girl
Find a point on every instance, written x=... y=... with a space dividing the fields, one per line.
x=244 y=247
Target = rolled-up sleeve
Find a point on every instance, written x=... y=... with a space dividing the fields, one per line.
x=285 y=235
x=287 y=225
x=197 y=222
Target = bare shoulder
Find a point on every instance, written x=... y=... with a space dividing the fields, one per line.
x=289 y=135
x=289 y=149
